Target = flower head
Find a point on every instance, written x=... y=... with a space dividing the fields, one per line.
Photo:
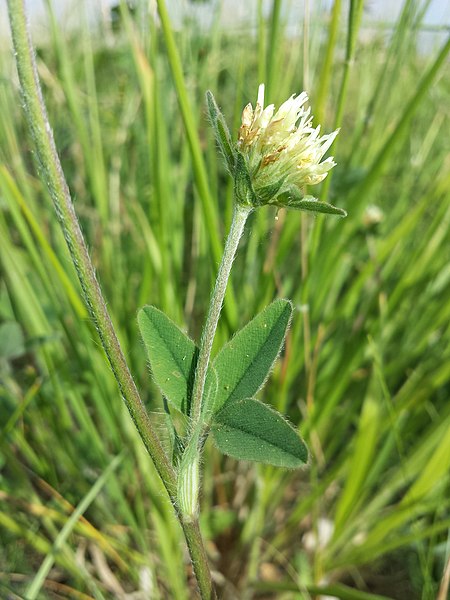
x=283 y=144
x=277 y=154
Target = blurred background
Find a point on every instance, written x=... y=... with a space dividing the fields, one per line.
x=365 y=373
x=235 y=14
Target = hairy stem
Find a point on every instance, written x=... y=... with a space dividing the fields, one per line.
x=51 y=172
x=237 y=227
x=187 y=491
x=199 y=559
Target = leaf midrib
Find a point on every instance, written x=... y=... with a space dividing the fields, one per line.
x=230 y=398
x=256 y=437
x=179 y=363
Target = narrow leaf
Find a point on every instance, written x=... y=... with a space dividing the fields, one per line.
x=292 y=198
x=251 y=430
x=222 y=134
x=359 y=463
x=172 y=356
x=313 y=205
x=244 y=363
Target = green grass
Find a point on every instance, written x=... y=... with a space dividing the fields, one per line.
x=366 y=369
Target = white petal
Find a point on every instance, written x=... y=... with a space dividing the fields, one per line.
x=284 y=109
x=260 y=100
x=247 y=115
x=300 y=100
x=328 y=140
x=266 y=116
x=287 y=139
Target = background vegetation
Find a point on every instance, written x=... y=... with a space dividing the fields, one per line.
x=366 y=369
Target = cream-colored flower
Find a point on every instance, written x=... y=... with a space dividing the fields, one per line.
x=283 y=145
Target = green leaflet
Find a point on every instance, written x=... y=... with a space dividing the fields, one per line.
x=244 y=363
x=251 y=430
x=172 y=356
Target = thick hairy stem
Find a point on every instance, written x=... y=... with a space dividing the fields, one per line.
x=199 y=559
x=52 y=174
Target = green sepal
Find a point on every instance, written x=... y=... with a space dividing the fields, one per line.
x=172 y=355
x=251 y=430
x=268 y=193
x=221 y=132
x=244 y=363
x=243 y=188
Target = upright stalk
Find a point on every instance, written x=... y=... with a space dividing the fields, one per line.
x=237 y=227
x=52 y=174
x=189 y=469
